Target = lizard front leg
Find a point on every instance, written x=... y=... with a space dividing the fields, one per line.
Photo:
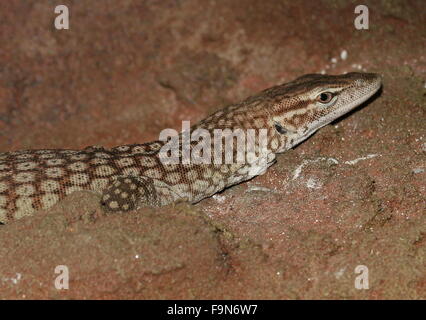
x=132 y=192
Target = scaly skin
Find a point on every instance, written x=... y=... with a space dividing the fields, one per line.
x=133 y=176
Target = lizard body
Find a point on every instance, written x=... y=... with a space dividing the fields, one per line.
x=131 y=176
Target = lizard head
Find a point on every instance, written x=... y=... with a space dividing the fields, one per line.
x=301 y=107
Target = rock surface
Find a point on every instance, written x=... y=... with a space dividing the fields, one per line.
x=353 y=194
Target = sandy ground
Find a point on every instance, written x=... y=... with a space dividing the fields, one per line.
x=353 y=194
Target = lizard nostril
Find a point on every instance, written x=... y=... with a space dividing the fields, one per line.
x=325 y=97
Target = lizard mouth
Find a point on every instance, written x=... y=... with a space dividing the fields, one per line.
x=367 y=91
x=364 y=92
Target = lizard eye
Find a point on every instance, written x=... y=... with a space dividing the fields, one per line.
x=280 y=129
x=325 y=97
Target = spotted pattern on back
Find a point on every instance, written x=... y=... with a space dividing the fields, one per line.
x=130 y=176
x=37 y=179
